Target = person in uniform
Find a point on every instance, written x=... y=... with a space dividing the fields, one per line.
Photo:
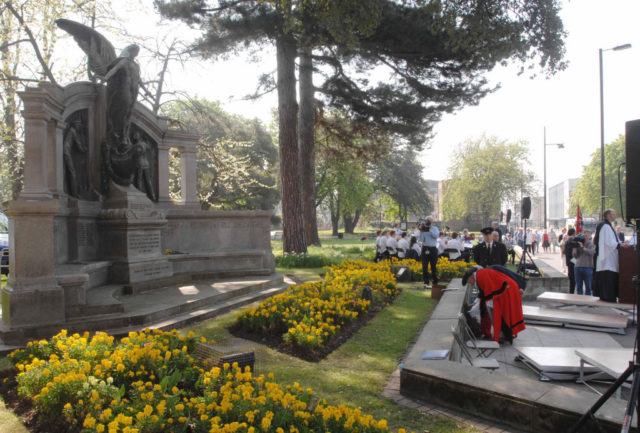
x=489 y=252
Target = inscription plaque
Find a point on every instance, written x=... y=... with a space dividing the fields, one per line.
x=152 y=270
x=144 y=243
x=86 y=234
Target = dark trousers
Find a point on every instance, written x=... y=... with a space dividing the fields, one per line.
x=429 y=257
x=572 y=276
x=512 y=254
x=584 y=277
x=606 y=285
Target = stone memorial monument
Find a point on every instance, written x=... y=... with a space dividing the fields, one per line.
x=95 y=214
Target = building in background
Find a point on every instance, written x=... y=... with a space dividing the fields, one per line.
x=435 y=192
x=434 y=187
x=558 y=202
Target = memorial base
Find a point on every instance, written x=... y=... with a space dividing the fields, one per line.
x=131 y=237
x=137 y=271
x=29 y=307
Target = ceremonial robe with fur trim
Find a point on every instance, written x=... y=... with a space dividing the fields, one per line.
x=507 y=302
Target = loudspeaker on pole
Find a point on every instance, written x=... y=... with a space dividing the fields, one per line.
x=525 y=208
x=632 y=150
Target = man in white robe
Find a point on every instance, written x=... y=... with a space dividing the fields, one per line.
x=607 y=264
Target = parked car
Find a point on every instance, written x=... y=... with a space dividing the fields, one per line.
x=4 y=244
x=4 y=253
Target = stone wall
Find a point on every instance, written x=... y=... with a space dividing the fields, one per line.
x=73 y=229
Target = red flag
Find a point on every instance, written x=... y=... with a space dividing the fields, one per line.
x=579 y=223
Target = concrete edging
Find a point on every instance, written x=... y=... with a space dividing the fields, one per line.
x=520 y=402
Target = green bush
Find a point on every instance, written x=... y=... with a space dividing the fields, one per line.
x=295 y=260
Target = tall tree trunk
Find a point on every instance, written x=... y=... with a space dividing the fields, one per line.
x=307 y=148
x=348 y=223
x=11 y=144
x=293 y=228
x=334 y=210
x=351 y=221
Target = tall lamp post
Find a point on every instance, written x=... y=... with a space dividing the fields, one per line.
x=602 y=189
x=560 y=146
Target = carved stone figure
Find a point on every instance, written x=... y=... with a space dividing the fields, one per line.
x=142 y=176
x=122 y=75
x=73 y=139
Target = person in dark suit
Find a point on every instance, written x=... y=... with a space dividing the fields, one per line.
x=500 y=253
x=489 y=252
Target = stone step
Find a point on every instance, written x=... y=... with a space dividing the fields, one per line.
x=147 y=307
x=194 y=301
x=100 y=300
x=201 y=314
x=6 y=349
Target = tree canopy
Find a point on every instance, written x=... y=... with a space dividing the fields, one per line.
x=399 y=175
x=435 y=54
x=484 y=173
x=237 y=160
x=587 y=192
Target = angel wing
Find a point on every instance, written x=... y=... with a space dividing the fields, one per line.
x=97 y=48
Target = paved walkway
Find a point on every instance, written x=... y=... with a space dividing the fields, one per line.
x=550 y=258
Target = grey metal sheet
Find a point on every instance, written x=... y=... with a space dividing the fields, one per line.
x=573 y=299
x=593 y=320
x=612 y=361
x=554 y=359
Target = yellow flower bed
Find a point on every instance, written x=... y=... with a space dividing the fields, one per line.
x=308 y=315
x=148 y=383
x=446 y=269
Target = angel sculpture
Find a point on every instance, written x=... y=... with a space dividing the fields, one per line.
x=122 y=75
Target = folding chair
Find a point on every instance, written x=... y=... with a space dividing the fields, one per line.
x=486 y=363
x=449 y=251
x=483 y=347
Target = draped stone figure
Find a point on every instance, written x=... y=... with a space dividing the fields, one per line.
x=122 y=75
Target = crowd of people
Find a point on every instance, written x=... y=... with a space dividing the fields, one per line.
x=426 y=243
x=589 y=259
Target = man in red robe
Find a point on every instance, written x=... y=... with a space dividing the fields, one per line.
x=505 y=295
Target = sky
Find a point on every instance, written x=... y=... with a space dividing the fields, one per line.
x=567 y=104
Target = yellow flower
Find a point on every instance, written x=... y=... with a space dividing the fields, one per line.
x=89 y=422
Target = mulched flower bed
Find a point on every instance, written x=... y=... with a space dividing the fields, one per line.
x=23 y=408
x=276 y=342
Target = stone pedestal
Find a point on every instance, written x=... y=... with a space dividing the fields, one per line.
x=32 y=295
x=130 y=237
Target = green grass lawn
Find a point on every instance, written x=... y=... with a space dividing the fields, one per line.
x=332 y=251
x=356 y=373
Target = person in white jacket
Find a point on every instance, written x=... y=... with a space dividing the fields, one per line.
x=454 y=243
x=403 y=246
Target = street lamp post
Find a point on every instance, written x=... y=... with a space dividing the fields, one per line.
x=560 y=146
x=602 y=189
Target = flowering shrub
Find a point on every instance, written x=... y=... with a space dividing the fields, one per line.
x=446 y=269
x=309 y=315
x=148 y=383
